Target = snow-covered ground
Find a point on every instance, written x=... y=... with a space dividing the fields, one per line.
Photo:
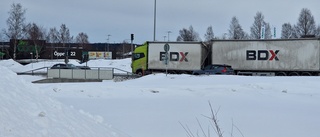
x=157 y=105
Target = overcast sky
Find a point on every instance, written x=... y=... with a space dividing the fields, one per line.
x=120 y=18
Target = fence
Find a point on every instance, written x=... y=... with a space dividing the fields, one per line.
x=93 y=73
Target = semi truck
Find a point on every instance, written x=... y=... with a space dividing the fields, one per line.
x=180 y=57
x=275 y=57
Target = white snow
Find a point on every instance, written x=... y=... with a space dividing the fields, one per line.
x=155 y=105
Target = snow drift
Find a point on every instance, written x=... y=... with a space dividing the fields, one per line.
x=26 y=111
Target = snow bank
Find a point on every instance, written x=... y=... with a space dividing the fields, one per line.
x=11 y=64
x=123 y=64
x=155 y=105
x=27 y=111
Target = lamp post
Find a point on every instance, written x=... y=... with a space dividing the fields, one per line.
x=154 y=21
x=31 y=59
x=108 y=41
x=169 y=34
x=105 y=54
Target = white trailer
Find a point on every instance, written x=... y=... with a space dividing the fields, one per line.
x=182 y=56
x=269 y=57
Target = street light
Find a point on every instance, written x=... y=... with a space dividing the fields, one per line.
x=31 y=59
x=154 y=25
x=108 y=41
x=104 y=54
x=169 y=34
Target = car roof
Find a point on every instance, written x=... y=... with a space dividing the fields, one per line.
x=62 y=64
x=58 y=64
x=221 y=65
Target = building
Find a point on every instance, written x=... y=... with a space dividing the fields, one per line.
x=28 y=50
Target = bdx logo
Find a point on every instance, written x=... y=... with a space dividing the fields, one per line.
x=262 y=55
x=174 y=56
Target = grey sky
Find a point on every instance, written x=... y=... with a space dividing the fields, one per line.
x=120 y=18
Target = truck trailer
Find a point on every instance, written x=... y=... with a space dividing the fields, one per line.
x=275 y=57
x=280 y=57
x=182 y=57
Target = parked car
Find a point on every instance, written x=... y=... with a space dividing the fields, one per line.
x=83 y=67
x=215 y=69
x=68 y=66
x=64 y=66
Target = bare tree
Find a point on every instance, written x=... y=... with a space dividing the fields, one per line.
x=82 y=39
x=268 y=34
x=2 y=50
x=16 y=23
x=52 y=35
x=64 y=35
x=306 y=24
x=35 y=33
x=287 y=31
x=318 y=31
x=257 y=26
x=188 y=35
x=235 y=30
x=209 y=35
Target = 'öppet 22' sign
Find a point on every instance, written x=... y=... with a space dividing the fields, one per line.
x=62 y=54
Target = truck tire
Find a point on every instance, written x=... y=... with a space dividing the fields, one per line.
x=281 y=74
x=294 y=74
x=306 y=74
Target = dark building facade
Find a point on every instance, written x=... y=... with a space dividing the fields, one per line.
x=26 y=49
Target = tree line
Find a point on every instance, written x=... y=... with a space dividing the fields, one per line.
x=17 y=28
x=305 y=27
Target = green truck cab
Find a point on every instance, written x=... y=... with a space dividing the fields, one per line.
x=139 y=59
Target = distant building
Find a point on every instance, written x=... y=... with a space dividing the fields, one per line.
x=27 y=49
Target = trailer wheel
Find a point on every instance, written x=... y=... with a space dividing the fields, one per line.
x=306 y=74
x=281 y=74
x=294 y=74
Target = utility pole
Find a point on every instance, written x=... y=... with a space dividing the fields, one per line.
x=105 y=52
x=154 y=25
x=169 y=34
x=108 y=41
